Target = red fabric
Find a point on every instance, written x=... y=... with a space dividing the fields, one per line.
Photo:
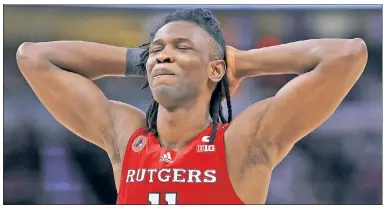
x=194 y=175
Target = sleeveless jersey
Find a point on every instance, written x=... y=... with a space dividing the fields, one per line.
x=196 y=174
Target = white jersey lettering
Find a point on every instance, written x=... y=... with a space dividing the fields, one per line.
x=171 y=175
x=130 y=174
x=194 y=174
x=210 y=176
x=178 y=175
x=167 y=176
x=151 y=172
x=140 y=175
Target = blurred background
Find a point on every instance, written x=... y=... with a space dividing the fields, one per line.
x=339 y=163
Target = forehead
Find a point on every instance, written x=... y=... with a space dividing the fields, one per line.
x=183 y=29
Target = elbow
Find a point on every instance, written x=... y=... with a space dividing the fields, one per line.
x=25 y=51
x=359 y=54
x=355 y=51
x=27 y=55
x=358 y=50
x=353 y=54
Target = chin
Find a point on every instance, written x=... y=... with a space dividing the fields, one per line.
x=165 y=95
x=173 y=96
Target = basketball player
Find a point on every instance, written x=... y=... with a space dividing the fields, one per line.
x=184 y=151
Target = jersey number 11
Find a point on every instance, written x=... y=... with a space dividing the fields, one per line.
x=154 y=198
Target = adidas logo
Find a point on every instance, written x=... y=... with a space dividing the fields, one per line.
x=166 y=157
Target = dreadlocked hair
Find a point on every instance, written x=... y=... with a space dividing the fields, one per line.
x=206 y=20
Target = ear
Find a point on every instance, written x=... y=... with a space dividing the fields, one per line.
x=216 y=70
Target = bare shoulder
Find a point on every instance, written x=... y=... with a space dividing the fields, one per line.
x=127 y=119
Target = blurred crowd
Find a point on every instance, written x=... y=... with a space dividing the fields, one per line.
x=339 y=163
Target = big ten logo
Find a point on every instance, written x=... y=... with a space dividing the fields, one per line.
x=205 y=148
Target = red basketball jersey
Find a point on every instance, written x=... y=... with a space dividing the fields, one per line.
x=196 y=174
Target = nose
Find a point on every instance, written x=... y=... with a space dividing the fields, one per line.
x=165 y=56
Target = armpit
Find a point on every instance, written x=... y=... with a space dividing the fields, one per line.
x=257 y=154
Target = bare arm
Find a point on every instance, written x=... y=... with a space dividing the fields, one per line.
x=276 y=124
x=69 y=94
x=91 y=60
x=291 y=58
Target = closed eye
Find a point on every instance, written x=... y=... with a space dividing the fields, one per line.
x=155 y=50
x=182 y=47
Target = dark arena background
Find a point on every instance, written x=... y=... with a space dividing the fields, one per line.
x=339 y=163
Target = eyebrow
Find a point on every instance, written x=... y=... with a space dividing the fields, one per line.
x=175 y=40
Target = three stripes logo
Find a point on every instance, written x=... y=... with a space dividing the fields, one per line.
x=166 y=157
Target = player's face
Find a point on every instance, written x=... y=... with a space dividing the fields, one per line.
x=178 y=62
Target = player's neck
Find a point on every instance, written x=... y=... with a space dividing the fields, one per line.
x=177 y=128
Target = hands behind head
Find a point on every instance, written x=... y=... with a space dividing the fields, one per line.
x=233 y=78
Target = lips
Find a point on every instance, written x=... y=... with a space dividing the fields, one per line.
x=162 y=71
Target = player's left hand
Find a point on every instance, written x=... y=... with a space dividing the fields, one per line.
x=234 y=79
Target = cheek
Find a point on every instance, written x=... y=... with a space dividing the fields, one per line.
x=149 y=65
x=195 y=78
x=190 y=61
x=195 y=67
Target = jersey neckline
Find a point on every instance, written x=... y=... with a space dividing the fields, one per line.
x=205 y=132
